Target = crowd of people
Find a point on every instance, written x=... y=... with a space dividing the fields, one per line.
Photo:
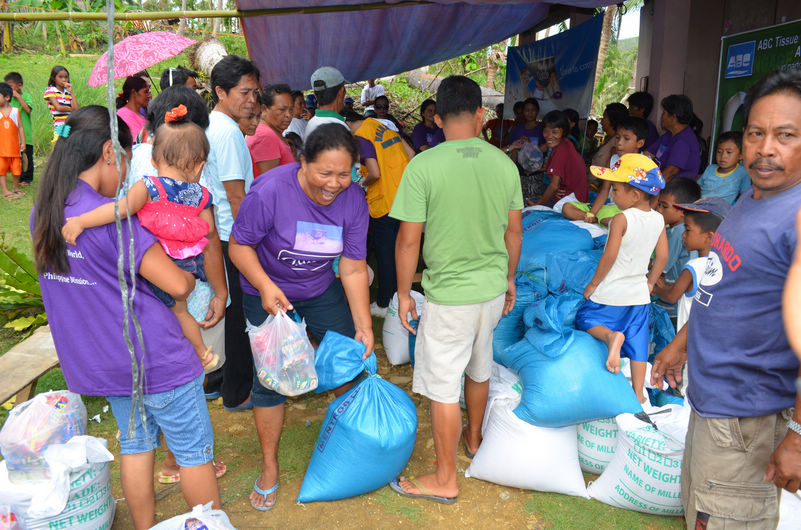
x=275 y=198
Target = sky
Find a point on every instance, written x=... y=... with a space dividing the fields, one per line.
x=630 y=27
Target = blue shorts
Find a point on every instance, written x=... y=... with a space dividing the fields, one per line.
x=181 y=414
x=630 y=320
x=195 y=265
x=324 y=312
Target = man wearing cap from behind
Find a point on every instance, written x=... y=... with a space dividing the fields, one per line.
x=744 y=440
x=619 y=295
x=328 y=84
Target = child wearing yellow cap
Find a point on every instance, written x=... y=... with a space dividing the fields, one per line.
x=617 y=298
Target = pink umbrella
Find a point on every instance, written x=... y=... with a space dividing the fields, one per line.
x=138 y=52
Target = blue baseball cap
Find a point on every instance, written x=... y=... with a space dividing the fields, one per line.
x=714 y=205
x=311 y=101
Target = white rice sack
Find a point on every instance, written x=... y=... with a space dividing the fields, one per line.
x=645 y=472
x=201 y=517
x=789 y=511
x=520 y=455
x=596 y=444
x=395 y=337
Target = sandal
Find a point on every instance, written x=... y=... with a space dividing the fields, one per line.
x=264 y=493
x=173 y=478
x=13 y=195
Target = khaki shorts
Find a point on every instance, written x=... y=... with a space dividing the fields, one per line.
x=453 y=340
x=724 y=462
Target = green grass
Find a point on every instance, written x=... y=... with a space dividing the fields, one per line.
x=394 y=504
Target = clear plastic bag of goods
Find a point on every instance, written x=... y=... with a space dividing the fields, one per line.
x=395 y=338
x=202 y=517
x=46 y=419
x=597 y=441
x=338 y=360
x=366 y=440
x=77 y=496
x=644 y=474
x=283 y=355
x=8 y=520
x=530 y=157
x=517 y=454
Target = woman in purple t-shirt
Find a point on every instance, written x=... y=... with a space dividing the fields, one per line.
x=291 y=226
x=81 y=295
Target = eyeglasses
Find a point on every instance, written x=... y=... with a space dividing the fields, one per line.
x=382 y=106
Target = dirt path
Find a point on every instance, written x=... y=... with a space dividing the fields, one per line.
x=481 y=503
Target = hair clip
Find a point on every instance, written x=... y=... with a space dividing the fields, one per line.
x=63 y=130
x=176 y=113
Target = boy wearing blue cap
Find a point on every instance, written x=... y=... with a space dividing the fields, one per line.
x=617 y=298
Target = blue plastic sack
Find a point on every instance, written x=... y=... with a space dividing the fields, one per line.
x=569 y=386
x=660 y=398
x=414 y=323
x=544 y=236
x=338 y=360
x=571 y=271
x=366 y=440
x=660 y=329
x=511 y=328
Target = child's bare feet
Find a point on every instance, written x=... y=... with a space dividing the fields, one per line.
x=614 y=342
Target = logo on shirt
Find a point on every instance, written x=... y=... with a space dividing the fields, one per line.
x=740 y=60
x=469 y=152
x=318 y=238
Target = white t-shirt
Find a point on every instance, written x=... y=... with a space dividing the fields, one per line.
x=697 y=267
x=229 y=159
x=370 y=93
x=318 y=120
x=298 y=127
x=626 y=283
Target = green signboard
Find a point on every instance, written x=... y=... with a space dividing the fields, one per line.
x=744 y=59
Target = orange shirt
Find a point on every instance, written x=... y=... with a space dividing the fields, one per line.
x=9 y=134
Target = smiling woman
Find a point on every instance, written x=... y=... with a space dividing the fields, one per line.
x=293 y=223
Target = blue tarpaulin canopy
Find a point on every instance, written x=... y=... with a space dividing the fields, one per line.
x=370 y=39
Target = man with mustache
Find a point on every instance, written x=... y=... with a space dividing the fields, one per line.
x=744 y=439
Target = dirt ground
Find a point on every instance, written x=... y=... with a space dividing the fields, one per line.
x=481 y=504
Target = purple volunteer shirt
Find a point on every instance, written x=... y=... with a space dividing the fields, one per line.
x=653 y=133
x=85 y=313
x=681 y=151
x=535 y=134
x=430 y=136
x=297 y=239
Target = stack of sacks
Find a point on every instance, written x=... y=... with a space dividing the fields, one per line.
x=645 y=473
x=53 y=475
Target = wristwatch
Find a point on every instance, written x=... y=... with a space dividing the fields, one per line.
x=794 y=426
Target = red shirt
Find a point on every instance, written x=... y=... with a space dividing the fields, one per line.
x=495 y=137
x=569 y=166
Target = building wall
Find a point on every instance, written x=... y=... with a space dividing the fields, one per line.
x=679 y=46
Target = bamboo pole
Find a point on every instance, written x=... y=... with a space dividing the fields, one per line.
x=208 y=13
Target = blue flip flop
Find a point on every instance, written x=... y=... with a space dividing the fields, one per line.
x=264 y=494
x=424 y=493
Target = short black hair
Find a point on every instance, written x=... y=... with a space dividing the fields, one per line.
x=680 y=106
x=6 y=90
x=532 y=101
x=707 y=221
x=684 y=190
x=556 y=119
x=328 y=95
x=780 y=81
x=267 y=97
x=227 y=73
x=636 y=125
x=330 y=136
x=518 y=106
x=179 y=76
x=571 y=115
x=642 y=100
x=383 y=98
x=457 y=94
x=14 y=77
x=297 y=94
x=171 y=97
x=731 y=136
x=616 y=112
x=352 y=115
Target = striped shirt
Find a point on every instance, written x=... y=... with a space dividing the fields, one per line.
x=62 y=98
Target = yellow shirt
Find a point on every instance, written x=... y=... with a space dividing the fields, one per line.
x=392 y=161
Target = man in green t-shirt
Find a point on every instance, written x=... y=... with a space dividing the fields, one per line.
x=467 y=192
x=24 y=103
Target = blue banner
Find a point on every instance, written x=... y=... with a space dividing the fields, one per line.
x=558 y=72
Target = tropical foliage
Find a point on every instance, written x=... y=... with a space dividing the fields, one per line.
x=20 y=297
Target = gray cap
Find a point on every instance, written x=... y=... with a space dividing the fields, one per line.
x=326 y=77
x=714 y=205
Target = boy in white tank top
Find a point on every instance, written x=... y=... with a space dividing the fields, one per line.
x=618 y=296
